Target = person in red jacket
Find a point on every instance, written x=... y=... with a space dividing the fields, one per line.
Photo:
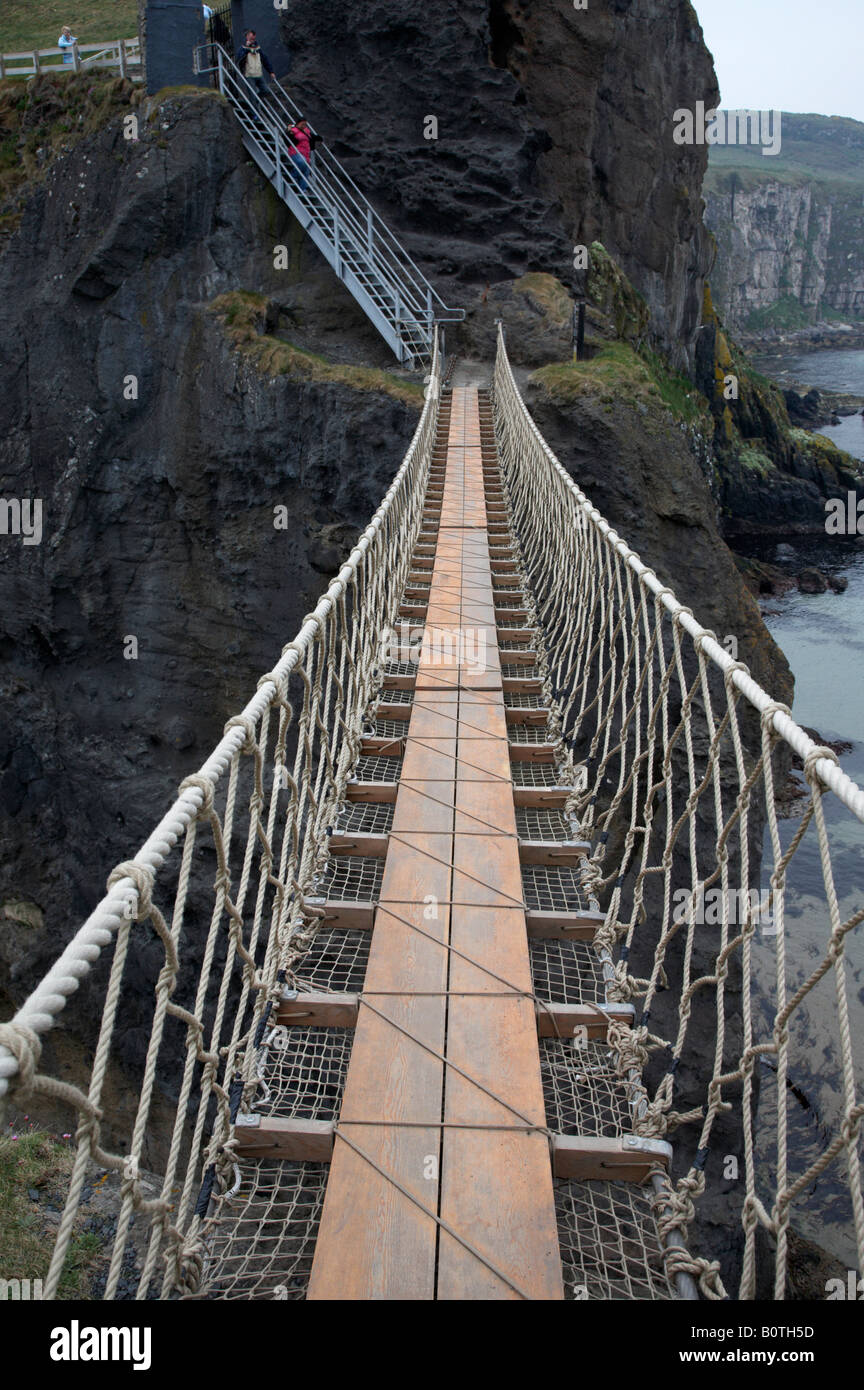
x=301 y=140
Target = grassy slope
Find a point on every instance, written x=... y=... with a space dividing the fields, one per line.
x=25 y=24
x=619 y=372
x=242 y=314
x=825 y=149
x=34 y=1164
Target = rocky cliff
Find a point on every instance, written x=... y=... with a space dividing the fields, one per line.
x=543 y=141
x=156 y=407
x=790 y=229
x=159 y=444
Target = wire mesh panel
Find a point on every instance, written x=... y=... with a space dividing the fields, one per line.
x=302 y=1072
x=352 y=878
x=582 y=1091
x=610 y=1247
x=554 y=888
x=566 y=972
x=541 y=826
x=262 y=1241
x=334 y=963
x=396 y=697
x=529 y=700
x=371 y=767
x=389 y=728
x=527 y=774
x=513 y=671
x=528 y=733
x=366 y=817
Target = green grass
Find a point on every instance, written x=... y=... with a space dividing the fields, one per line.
x=43 y=119
x=26 y=24
x=242 y=314
x=619 y=373
x=36 y=1161
x=785 y=315
x=827 y=150
x=750 y=456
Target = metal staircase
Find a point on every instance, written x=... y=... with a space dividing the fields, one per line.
x=390 y=289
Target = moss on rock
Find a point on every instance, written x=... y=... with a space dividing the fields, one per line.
x=247 y=316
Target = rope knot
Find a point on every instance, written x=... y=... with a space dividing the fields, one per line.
x=702 y=637
x=142 y=876
x=768 y=713
x=206 y=786
x=813 y=757
x=247 y=724
x=730 y=672
x=26 y=1047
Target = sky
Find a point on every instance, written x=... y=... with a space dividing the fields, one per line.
x=788 y=55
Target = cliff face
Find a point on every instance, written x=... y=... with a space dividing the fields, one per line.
x=158 y=518
x=790 y=229
x=545 y=140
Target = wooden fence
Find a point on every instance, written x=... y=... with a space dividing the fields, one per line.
x=123 y=55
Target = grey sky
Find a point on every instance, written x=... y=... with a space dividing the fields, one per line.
x=792 y=55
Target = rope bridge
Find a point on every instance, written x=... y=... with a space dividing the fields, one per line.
x=588 y=986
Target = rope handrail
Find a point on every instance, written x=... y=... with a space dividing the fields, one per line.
x=716 y=899
x=670 y=754
x=828 y=770
x=40 y=1009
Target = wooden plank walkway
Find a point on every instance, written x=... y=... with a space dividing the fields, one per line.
x=451 y=877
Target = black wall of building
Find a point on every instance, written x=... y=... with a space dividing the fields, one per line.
x=263 y=17
x=174 y=29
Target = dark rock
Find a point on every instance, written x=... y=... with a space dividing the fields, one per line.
x=147 y=502
x=812 y=581
x=544 y=139
x=805 y=410
x=838 y=582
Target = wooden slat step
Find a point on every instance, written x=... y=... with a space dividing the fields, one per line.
x=319 y=1010
x=387 y=709
x=532 y=752
x=371 y=791
x=383 y=747
x=560 y=852
x=580 y=926
x=271 y=1136
x=521 y=685
x=346 y=916
x=547 y=798
x=525 y=656
x=315 y=1010
x=568 y=1020
x=538 y=716
x=399 y=682
x=630 y=1159
x=362 y=843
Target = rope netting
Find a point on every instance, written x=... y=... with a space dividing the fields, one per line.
x=208 y=920
x=665 y=755
x=728 y=922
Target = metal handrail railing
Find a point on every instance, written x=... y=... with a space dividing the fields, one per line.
x=368 y=242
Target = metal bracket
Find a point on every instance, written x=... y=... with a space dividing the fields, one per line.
x=247 y=1122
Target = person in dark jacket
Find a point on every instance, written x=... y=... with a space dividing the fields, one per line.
x=254 y=63
x=301 y=148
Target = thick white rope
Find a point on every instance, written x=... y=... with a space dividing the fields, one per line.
x=19 y=1047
